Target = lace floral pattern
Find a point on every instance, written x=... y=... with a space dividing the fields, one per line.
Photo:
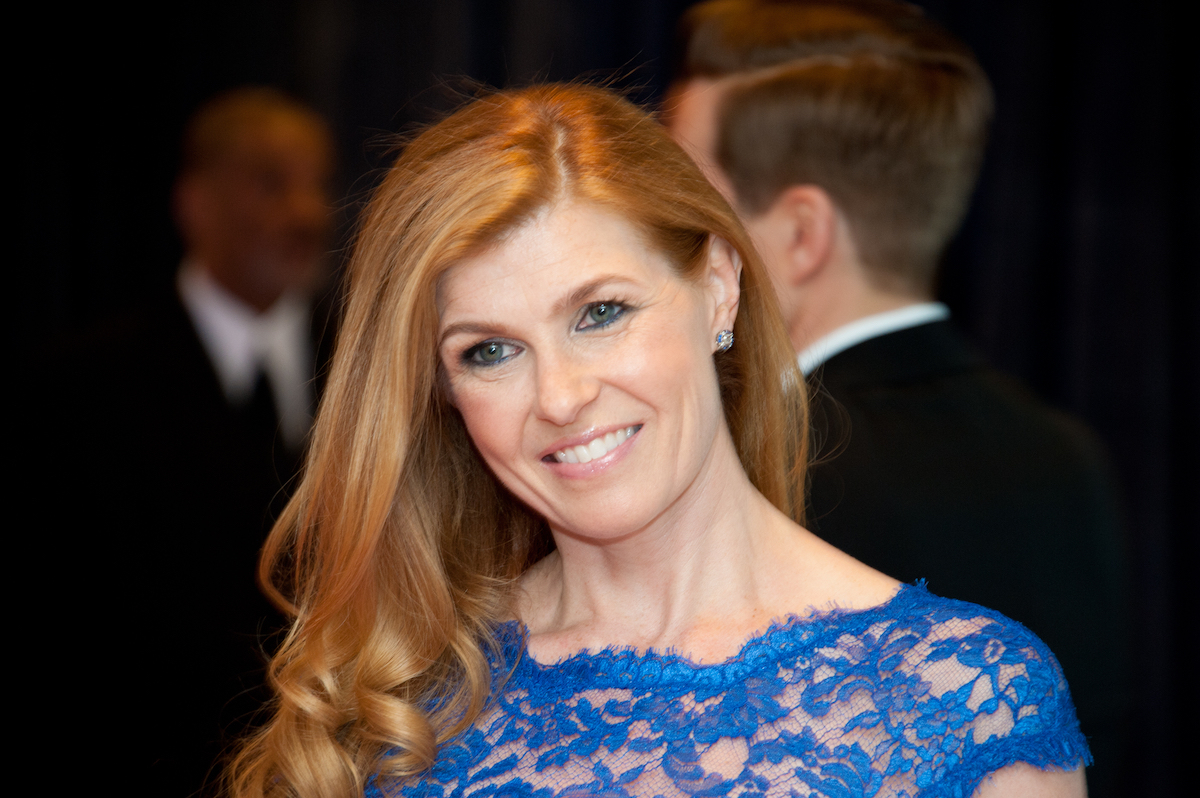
x=921 y=696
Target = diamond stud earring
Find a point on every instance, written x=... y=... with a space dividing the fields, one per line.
x=724 y=340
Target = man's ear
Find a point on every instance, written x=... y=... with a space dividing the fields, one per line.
x=801 y=226
x=724 y=283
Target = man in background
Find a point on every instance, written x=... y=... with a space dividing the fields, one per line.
x=185 y=424
x=848 y=136
x=252 y=206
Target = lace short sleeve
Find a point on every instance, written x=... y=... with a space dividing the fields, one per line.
x=921 y=696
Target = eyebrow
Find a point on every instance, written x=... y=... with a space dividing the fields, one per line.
x=465 y=327
x=562 y=305
x=587 y=289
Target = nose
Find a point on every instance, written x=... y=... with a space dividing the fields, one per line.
x=564 y=387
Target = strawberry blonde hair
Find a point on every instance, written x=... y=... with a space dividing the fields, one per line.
x=398 y=554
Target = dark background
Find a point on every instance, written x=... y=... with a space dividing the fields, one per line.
x=1076 y=269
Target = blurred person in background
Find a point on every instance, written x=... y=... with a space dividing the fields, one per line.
x=188 y=421
x=252 y=205
x=848 y=135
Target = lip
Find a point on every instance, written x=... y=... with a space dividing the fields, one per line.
x=582 y=439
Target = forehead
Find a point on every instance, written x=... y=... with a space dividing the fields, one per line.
x=692 y=121
x=557 y=251
x=277 y=140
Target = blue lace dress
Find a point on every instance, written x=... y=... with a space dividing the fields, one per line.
x=921 y=696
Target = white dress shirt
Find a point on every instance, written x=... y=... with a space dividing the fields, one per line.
x=240 y=342
x=868 y=327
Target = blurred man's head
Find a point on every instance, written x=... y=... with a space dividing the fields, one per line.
x=252 y=198
x=857 y=123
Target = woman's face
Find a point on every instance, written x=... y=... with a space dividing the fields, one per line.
x=582 y=366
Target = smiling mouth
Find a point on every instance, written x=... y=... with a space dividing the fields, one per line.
x=595 y=448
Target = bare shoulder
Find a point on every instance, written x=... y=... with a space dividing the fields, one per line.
x=861 y=584
x=1027 y=781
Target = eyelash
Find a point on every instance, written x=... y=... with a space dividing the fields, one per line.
x=471 y=356
x=620 y=307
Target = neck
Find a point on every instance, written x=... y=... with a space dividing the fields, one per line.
x=836 y=299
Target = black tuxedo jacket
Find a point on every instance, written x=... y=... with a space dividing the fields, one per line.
x=167 y=501
x=929 y=464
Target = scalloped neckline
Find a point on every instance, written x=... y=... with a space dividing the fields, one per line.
x=789 y=624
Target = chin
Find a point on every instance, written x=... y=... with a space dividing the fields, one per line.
x=620 y=521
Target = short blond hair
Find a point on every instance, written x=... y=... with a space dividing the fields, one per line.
x=867 y=99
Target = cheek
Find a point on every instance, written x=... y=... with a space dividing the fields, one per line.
x=671 y=365
x=772 y=248
x=493 y=421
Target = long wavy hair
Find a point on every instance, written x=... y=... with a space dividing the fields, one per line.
x=399 y=552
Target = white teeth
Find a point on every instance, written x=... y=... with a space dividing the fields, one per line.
x=595 y=448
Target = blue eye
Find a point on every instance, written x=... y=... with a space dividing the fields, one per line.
x=489 y=353
x=599 y=314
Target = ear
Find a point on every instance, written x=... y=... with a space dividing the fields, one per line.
x=723 y=283
x=803 y=228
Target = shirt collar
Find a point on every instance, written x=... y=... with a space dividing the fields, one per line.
x=869 y=327
x=238 y=340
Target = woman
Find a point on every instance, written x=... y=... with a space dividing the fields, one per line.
x=564 y=418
